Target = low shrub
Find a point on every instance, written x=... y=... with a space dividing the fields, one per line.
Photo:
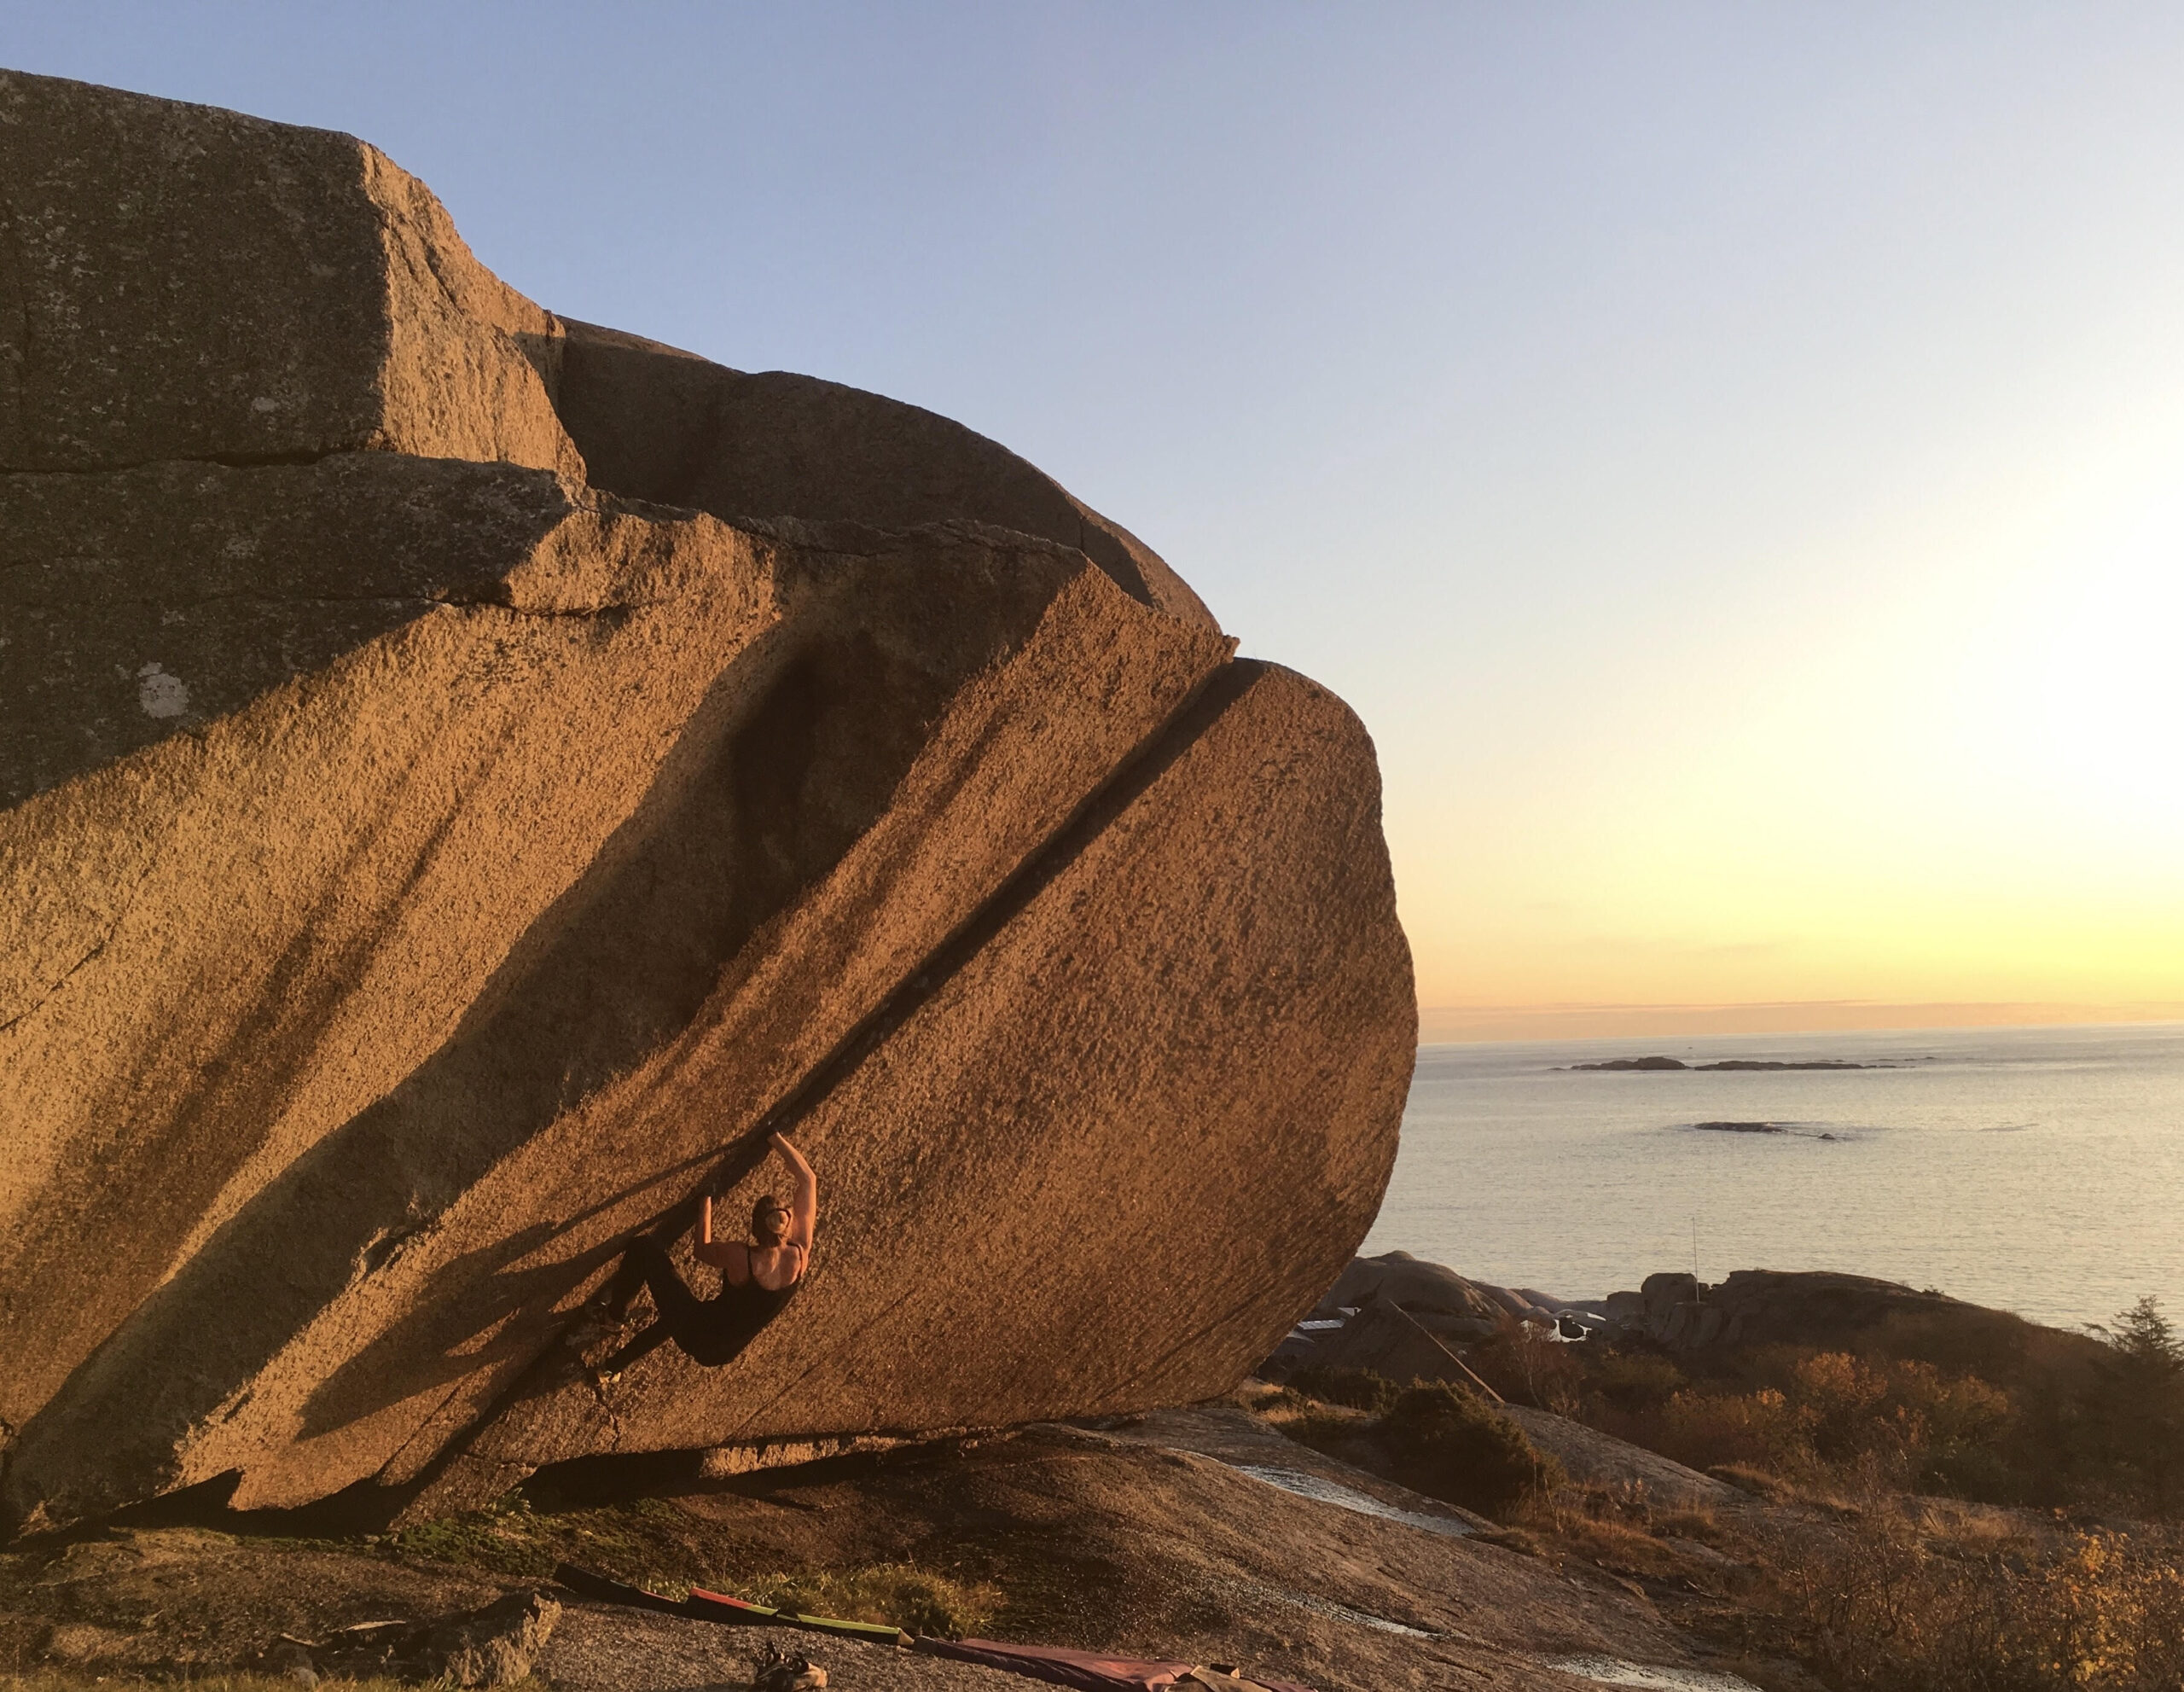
x=1758 y=1430
x=1453 y=1445
x=1353 y=1388
x=1961 y=1470
x=1828 y=1419
x=1886 y=1608
x=1632 y=1381
x=1527 y=1365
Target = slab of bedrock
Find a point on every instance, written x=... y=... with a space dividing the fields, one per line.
x=420 y=856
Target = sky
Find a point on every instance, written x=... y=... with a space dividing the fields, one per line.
x=1731 y=457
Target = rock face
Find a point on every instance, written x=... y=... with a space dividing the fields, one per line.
x=1421 y=1287
x=188 y=283
x=1408 y=1319
x=464 y=769
x=1828 y=1309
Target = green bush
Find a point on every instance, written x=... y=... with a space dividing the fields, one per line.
x=2137 y=1403
x=1453 y=1445
x=1354 y=1389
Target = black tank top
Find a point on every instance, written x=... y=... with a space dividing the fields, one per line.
x=737 y=1313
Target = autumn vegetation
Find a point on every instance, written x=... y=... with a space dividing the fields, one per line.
x=1915 y=1513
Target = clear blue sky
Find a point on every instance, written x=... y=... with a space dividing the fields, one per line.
x=1728 y=454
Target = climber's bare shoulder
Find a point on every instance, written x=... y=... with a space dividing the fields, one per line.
x=776 y=1269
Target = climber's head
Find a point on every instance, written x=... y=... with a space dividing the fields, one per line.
x=770 y=1221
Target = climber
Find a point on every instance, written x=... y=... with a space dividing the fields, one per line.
x=756 y=1277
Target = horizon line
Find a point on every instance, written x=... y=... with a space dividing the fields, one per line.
x=1456 y=1024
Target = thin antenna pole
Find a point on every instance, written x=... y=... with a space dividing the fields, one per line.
x=1696 y=1290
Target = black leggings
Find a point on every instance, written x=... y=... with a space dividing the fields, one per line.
x=708 y=1331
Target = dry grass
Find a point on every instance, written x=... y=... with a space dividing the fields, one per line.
x=645 y=1541
x=1617 y=1546
x=1702 y=1525
x=649 y=1542
x=1903 y=1595
x=1618 y=1528
x=1335 y=1429
x=1756 y=1481
x=901 y=1594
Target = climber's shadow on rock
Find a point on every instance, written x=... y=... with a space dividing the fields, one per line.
x=757 y=1277
x=464 y=1327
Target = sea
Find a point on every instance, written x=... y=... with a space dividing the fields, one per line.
x=2037 y=1170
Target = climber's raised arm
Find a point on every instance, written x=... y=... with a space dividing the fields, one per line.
x=803 y=1206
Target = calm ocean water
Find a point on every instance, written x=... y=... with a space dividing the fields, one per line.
x=2040 y=1170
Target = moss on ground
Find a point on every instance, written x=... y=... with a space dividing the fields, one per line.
x=648 y=1541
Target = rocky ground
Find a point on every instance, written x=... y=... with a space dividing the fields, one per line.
x=1200 y=1534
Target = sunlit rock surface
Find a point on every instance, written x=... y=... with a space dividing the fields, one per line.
x=463 y=770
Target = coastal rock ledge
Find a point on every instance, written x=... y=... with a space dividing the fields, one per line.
x=462 y=768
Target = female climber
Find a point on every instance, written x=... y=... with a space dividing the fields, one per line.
x=756 y=1277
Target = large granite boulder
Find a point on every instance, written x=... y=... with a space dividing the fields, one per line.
x=468 y=775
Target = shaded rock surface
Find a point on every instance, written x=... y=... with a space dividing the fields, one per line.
x=1387 y=1340
x=447 y=804
x=1441 y=1300
x=658 y=424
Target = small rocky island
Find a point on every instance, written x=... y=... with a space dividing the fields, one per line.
x=1746 y=1065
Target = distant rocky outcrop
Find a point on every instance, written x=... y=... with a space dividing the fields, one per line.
x=463 y=767
x=1406 y=1319
x=1409 y=1320
x=1747 y=1065
x=1439 y=1294
x=1829 y=1310
x=1622 y=1063
x=1740 y=1064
